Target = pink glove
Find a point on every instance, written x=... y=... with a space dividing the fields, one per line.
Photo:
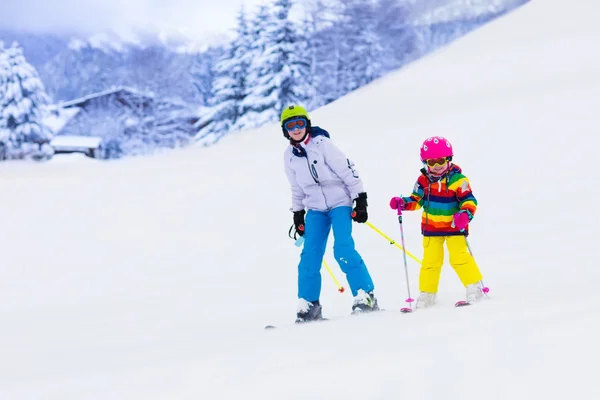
x=461 y=220
x=396 y=202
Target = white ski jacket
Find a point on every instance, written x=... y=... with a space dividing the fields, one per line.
x=321 y=176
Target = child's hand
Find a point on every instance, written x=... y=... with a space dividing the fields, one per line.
x=461 y=220
x=397 y=202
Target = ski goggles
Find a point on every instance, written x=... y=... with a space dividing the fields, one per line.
x=297 y=123
x=432 y=162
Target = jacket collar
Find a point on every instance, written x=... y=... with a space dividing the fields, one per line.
x=297 y=148
x=315 y=131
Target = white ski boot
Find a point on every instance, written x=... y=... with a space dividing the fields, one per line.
x=474 y=292
x=425 y=300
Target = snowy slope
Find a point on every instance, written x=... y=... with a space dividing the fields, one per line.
x=153 y=278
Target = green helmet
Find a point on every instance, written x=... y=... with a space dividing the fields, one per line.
x=293 y=111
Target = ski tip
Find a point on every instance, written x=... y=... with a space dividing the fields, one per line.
x=270 y=327
x=462 y=303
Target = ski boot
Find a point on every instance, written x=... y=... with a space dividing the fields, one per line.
x=474 y=292
x=308 y=311
x=364 y=302
x=425 y=300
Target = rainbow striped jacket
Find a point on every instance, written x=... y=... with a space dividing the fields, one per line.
x=441 y=198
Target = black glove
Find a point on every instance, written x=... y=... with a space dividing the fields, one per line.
x=299 y=222
x=359 y=214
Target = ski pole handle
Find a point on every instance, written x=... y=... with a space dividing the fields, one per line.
x=400 y=204
x=396 y=203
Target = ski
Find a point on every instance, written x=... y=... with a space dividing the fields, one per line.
x=462 y=303
x=299 y=323
x=356 y=314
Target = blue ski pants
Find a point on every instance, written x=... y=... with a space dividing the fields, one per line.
x=317 y=227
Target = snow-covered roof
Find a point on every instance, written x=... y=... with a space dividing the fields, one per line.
x=81 y=100
x=58 y=119
x=76 y=142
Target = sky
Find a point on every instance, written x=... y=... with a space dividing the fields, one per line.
x=192 y=17
x=153 y=277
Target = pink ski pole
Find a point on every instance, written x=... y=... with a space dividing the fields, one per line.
x=409 y=300
x=484 y=288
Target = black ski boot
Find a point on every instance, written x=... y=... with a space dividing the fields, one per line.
x=308 y=311
x=364 y=302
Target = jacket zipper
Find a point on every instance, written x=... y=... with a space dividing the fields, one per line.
x=428 y=202
x=315 y=177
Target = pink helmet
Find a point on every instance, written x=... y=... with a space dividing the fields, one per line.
x=436 y=147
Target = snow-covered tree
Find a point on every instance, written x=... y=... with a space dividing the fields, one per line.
x=280 y=68
x=5 y=71
x=202 y=73
x=319 y=18
x=229 y=87
x=257 y=27
x=397 y=35
x=157 y=69
x=22 y=96
x=361 y=55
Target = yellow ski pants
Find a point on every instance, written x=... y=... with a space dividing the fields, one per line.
x=433 y=258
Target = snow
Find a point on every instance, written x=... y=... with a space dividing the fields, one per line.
x=162 y=292
x=103 y=41
x=57 y=119
x=177 y=38
x=74 y=142
x=70 y=158
x=79 y=101
x=437 y=11
x=77 y=44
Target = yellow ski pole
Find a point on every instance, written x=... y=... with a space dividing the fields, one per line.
x=340 y=287
x=392 y=241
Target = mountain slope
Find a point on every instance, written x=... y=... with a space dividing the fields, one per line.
x=153 y=278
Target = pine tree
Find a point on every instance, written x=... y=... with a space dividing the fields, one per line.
x=328 y=41
x=202 y=75
x=281 y=74
x=4 y=74
x=229 y=87
x=398 y=36
x=22 y=98
x=321 y=49
x=256 y=47
x=362 y=55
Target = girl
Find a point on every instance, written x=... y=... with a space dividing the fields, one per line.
x=448 y=207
